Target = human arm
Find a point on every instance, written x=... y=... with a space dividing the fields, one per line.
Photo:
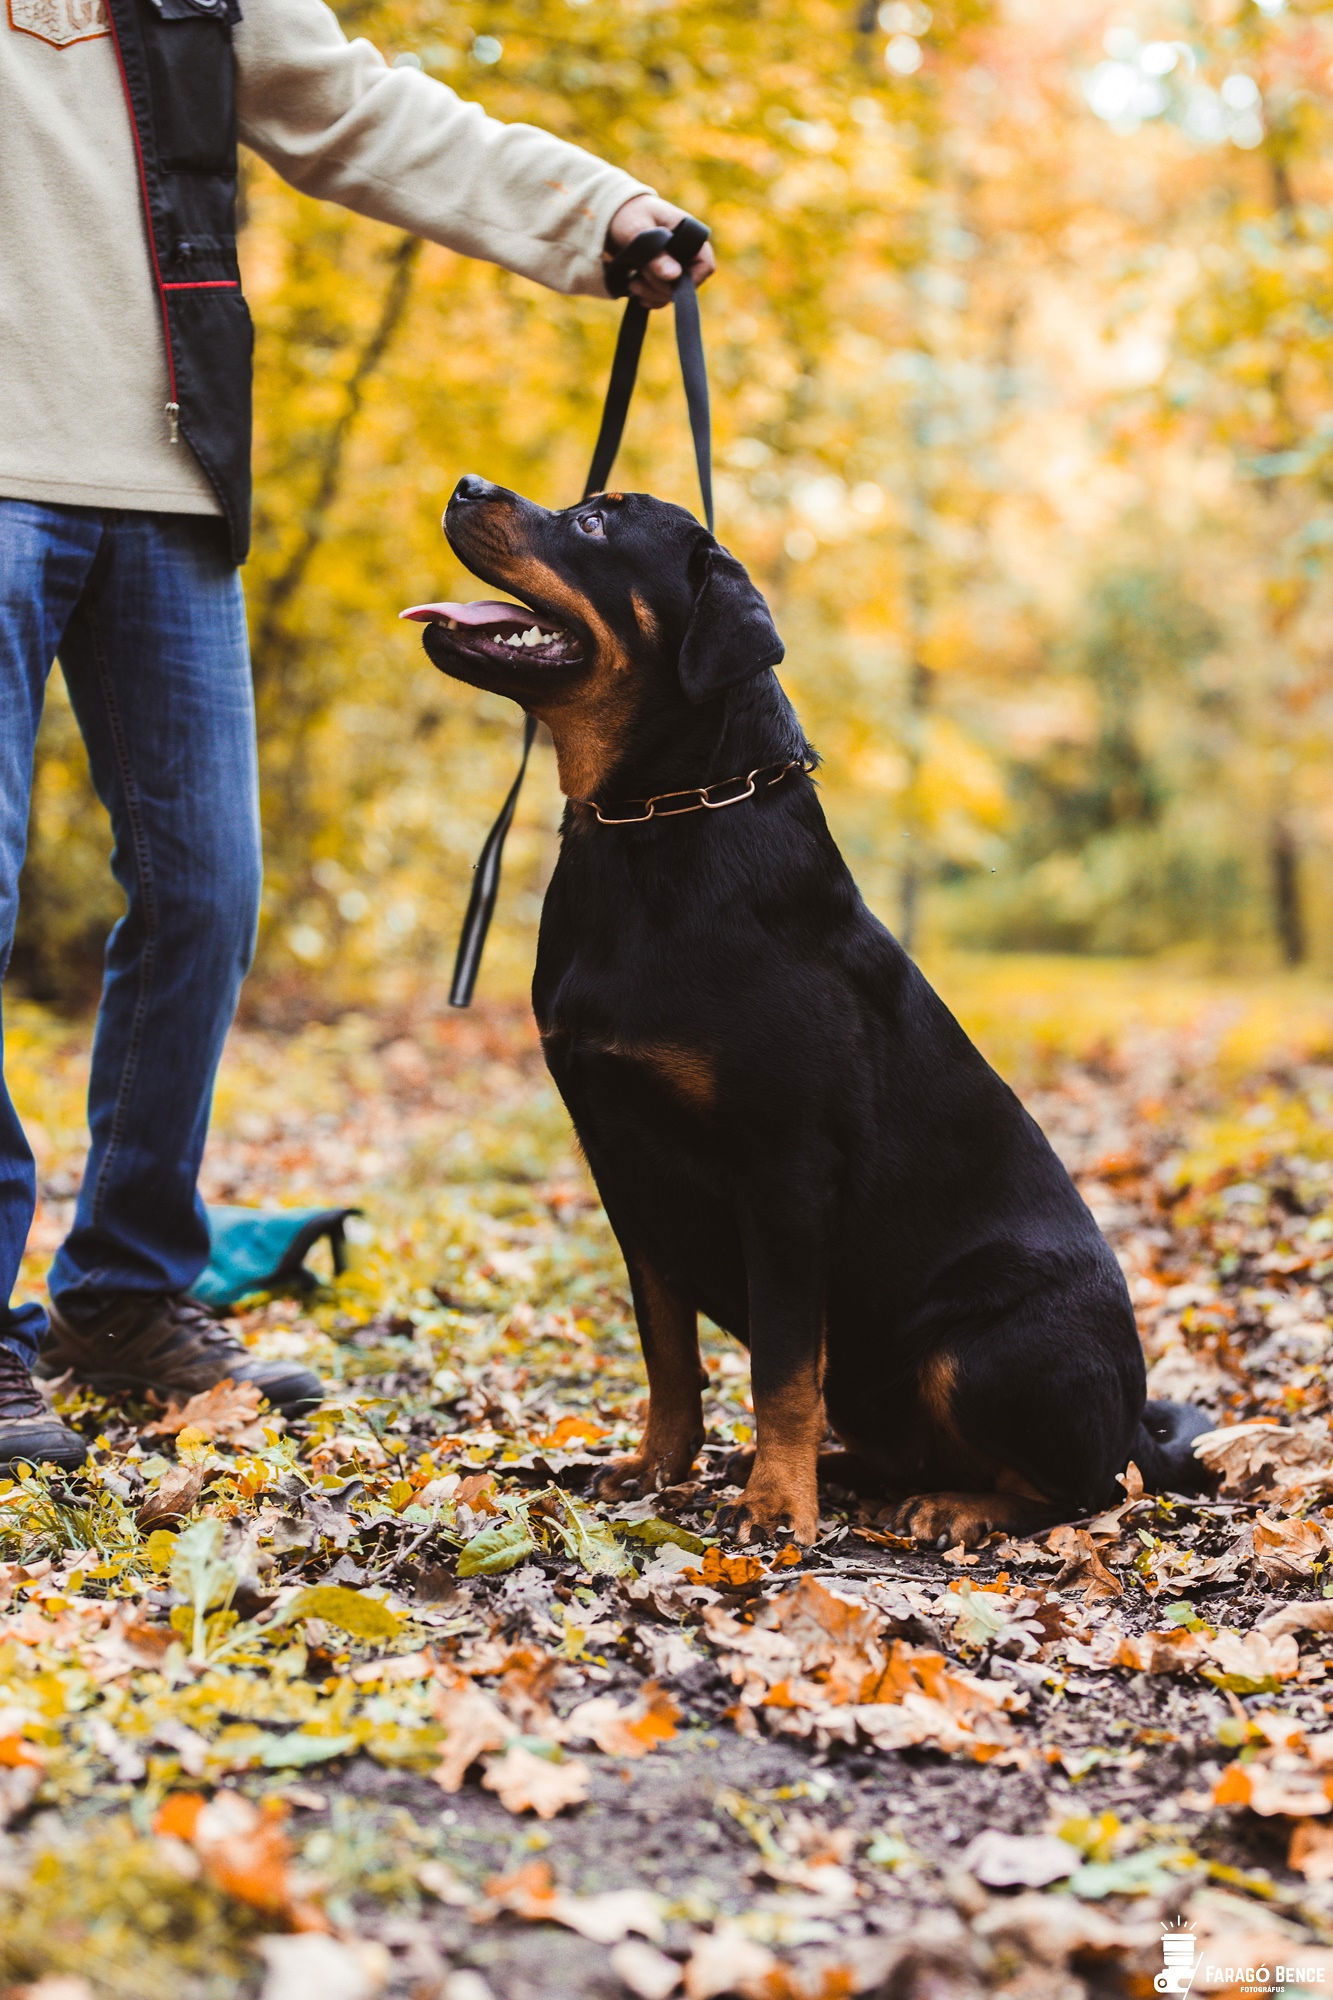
x=336 y=121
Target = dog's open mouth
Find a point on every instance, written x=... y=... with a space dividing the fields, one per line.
x=490 y=630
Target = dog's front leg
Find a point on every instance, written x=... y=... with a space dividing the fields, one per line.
x=786 y=1285
x=669 y=1336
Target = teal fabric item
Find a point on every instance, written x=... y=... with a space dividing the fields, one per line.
x=264 y=1250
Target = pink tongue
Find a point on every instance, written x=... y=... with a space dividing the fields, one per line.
x=488 y=611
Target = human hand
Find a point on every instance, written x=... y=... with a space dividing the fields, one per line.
x=648 y=211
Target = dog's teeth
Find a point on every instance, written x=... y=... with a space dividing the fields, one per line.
x=512 y=639
x=532 y=637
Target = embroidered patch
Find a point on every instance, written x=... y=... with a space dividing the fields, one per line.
x=60 y=22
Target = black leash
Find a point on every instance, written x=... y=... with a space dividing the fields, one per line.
x=684 y=243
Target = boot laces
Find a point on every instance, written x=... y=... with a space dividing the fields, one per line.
x=19 y=1395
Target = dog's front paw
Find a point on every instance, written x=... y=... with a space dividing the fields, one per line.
x=645 y=1472
x=769 y=1510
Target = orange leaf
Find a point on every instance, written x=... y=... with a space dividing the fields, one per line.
x=14 y=1751
x=570 y=1430
x=178 y=1814
x=1233 y=1788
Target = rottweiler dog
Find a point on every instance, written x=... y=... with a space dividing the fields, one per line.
x=788 y=1128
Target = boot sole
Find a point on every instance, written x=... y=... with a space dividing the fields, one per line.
x=68 y=1453
x=288 y=1406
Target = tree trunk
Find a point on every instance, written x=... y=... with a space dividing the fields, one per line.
x=1284 y=862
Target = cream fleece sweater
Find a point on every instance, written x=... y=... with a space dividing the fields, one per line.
x=82 y=369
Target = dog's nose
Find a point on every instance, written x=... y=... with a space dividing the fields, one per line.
x=470 y=487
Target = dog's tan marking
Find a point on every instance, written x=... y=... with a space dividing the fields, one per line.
x=645 y=614
x=937 y=1380
x=687 y=1073
x=669 y=1335
x=782 y=1490
x=588 y=722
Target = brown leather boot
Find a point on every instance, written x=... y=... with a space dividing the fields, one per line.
x=29 y=1432
x=168 y=1343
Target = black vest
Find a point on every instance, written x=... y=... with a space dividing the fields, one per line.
x=179 y=73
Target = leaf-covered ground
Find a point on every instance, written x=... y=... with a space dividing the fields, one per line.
x=384 y=1703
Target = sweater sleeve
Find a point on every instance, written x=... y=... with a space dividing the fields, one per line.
x=336 y=121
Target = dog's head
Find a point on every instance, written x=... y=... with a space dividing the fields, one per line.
x=624 y=602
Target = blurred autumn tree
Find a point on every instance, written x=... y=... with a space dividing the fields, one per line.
x=1020 y=358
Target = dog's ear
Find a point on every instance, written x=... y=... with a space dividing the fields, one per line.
x=730 y=635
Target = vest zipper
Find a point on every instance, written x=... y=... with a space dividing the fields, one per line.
x=173 y=408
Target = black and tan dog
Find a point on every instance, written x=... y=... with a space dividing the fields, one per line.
x=790 y=1131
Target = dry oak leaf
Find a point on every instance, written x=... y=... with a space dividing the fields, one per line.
x=1292 y=1783
x=1314 y=1616
x=243 y=1849
x=525 y=1782
x=726 y=1961
x=473 y=1724
x=1082 y=1564
x=605 y=1919
x=229 y=1410
x=648 y=1973
x=173 y=1497
x=1311 y=1851
x=1253 y=1657
x=1286 y=1551
x=630 y=1731
x=1246 y=1456
x=1174 y=1652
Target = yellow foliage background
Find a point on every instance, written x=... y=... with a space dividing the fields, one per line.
x=1020 y=358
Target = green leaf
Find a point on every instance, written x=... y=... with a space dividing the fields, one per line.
x=298 y=1748
x=655 y=1531
x=1148 y=1873
x=588 y=1541
x=350 y=1610
x=203 y=1576
x=498 y=1548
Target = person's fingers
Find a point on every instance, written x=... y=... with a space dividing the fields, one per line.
x=704 y=265
x=651 y=292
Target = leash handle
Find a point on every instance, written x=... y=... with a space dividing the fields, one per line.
x=684 y=242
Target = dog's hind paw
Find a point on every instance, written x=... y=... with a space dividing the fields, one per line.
x=948 y=1519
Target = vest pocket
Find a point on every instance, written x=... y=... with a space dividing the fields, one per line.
x=193 y=79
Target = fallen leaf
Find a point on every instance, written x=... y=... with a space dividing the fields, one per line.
x=228 y=1410
x=627 y=1731
x=173 y=1497
x=334 y=1968
x=604 y=1919
x=1311 y=1851
x=525 y=1782
x=1313 y=1616
x=497 y=1549
x=1286 y=1551
x=648 y=1973
x=1018 y=1860
x=1082 y=1564
x=473 y=1724
x=726 y=1961
x=351 y=1611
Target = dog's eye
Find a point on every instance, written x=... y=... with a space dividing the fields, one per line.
x=592 y=524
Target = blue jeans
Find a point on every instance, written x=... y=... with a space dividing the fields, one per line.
x=145 y=613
